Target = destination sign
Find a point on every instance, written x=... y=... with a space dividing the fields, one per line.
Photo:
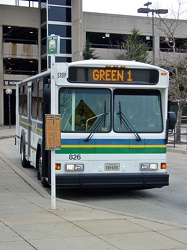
x=113 y=75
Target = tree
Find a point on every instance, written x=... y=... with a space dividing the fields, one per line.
x=133 y=48
x=88 y=52
x=175 y=60
x=178 y=91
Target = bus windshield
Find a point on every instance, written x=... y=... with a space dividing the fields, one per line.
x=85 y=110
x=88 y=110
x=139 y=108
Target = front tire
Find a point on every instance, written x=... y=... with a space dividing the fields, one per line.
x=39 y=167
x=24 y=161
x=39 y=171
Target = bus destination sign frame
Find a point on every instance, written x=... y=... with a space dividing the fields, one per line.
x=119 y=75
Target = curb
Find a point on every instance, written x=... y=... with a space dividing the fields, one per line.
x=176 y=150
x=7 y=136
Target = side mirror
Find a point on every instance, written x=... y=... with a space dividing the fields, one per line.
x=172 y=119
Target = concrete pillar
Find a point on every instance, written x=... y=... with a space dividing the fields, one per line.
x=77 y=30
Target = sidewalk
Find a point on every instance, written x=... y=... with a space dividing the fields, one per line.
x=6 y=132
x=27 y=221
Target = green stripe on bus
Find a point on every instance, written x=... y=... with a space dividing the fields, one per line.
x=111 y=150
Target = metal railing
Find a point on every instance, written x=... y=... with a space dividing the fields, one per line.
x=174 y=134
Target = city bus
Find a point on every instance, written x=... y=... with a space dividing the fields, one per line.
x=114 y=124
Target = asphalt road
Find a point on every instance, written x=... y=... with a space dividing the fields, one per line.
x=167 y=203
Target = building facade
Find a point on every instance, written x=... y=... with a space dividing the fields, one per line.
x=24 y=32
x=107 y=31
x=19 y=52
x=23 y=43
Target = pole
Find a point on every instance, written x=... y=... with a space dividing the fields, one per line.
x=9 y=108
x=53 y=176
x=53 y=48
x=153 y=34
x=9 y=92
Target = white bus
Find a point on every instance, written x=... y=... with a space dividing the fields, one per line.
x=114 y=124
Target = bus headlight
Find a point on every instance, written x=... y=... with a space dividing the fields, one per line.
x=74 y=167
x=148 y=166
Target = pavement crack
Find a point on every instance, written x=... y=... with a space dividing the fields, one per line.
x=18 y=234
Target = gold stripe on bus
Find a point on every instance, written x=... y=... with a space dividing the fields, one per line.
x=26 y=124
x=113 y=146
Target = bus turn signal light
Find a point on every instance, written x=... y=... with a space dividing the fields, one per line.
x=57 y=166
x=163 y=165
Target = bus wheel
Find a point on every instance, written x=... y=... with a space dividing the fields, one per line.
x=39 y=168
x=24 y=161
x=44 y=182
x=39 y=172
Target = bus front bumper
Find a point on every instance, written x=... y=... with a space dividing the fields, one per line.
x=142 y=180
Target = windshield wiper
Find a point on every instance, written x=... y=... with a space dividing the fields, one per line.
x=126 y=123
x=101 y=118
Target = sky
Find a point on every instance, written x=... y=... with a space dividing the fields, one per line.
x=126 y=7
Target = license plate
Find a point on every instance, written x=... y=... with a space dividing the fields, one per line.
x=112 y=166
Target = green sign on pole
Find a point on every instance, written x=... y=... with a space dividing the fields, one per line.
x=53 y=44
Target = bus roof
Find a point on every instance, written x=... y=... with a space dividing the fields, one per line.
x=45 y=73
x=104 y=63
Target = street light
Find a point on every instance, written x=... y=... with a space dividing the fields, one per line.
x=153 y=11
x=147 y=5
x=9 y=92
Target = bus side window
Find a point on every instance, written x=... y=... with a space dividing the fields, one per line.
x=40 y=98
x=34 y=97
x=24 y=98
x=20 y=99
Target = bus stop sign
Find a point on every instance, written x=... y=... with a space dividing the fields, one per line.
x=53 y=44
